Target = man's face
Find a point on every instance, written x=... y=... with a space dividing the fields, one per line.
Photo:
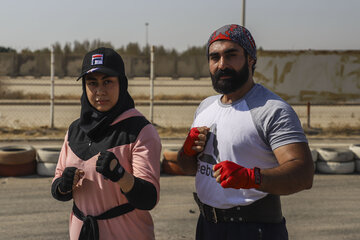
x=102 y=90
x=228 y=66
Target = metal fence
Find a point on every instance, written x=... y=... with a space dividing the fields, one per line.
x=25 y=102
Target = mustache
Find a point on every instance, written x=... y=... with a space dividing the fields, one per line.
x=224 y=72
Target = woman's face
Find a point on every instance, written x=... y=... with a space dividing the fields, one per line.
x=102 y=90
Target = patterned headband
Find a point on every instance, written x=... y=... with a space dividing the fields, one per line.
x=235 y=33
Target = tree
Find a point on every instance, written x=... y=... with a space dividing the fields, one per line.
x=146 y=50
x=67 y=49
x=6 y=49
x=26 y=51
x=57 y=48
x=81 y=48
x=121 y=50
x=43 y=50
x=133 y=49
x=194 y=51
x=98 y=43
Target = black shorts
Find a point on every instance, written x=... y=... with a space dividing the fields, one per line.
x=236 y=231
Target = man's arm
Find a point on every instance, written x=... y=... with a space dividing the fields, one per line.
x=187 y=163
x=194 y=145
x=294 y=173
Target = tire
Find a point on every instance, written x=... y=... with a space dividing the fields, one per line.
x=17 y=155
x=46 y=169
x=355 y=148
x=357 y=165
x=48 y=154
x=314 y=154
x=335 y=167
x=335 y=154
x=22 y=169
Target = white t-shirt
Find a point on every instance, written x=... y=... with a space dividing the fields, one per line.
x=245 y=132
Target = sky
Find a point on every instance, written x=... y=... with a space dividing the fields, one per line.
x=274 y=24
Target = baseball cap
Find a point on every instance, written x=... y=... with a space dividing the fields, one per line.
x=235 y=33
x=104 y=60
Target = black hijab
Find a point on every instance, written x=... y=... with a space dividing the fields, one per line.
x=92 y=121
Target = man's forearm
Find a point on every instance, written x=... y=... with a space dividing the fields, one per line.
x=288 y=178
x=187 y=163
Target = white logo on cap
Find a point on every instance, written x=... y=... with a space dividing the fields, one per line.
x=92 y=70
x=97 y=59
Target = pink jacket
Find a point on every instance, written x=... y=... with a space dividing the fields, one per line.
x=94 y=194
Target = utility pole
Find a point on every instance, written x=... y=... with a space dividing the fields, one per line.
x=152 y=74
x=147 y=34
x=243 y=13
x=52 y=73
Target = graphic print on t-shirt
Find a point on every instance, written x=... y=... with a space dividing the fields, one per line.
x=210 y=155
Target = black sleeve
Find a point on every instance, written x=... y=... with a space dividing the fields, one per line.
x=55 y=191
x=143 y=195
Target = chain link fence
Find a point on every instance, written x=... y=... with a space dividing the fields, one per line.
x=25 y=102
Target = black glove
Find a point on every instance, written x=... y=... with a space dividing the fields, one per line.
x=67 y=179
x=103 y=166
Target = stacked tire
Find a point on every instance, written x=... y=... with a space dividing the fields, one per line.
x=47 y=159
x=314 y=155
x=335 y=161
x=355 y=148
x=17 y=161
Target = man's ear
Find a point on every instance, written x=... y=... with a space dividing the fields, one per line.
x=251 y=60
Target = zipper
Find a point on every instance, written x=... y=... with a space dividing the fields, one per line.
x=260 y=234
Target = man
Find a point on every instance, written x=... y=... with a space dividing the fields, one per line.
x=246 y=147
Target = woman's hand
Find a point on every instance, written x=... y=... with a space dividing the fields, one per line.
x=69 y=179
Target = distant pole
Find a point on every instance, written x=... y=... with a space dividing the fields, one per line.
x=151 y=84
x=147 y=34
x=308 y=115
x=52 y=73
x=243 y=13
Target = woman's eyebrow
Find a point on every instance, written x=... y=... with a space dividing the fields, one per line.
x=105 y=76
x=89 y=78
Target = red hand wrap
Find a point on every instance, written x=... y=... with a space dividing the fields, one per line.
x=190 y=141
x=236 y=176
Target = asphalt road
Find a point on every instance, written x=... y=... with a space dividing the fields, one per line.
x=329 y=211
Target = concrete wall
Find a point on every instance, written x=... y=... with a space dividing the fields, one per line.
x=315 y=76
x=297 y=76
x=8 y=64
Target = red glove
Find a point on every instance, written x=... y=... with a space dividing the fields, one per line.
x=236 y=176
x=190 y=141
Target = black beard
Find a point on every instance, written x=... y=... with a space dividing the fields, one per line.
x=230 y=85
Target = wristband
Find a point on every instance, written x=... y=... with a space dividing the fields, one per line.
x=236 y=176
x=190 y=141
x=257 y=174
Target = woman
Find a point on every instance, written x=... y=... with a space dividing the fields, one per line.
x=110 y=160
